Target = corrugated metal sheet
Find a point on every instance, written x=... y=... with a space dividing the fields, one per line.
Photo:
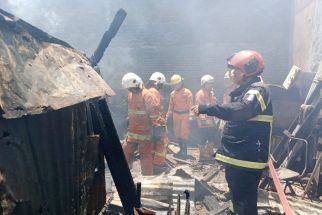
x=40 y=73
x=49 y=162
x=179 y=186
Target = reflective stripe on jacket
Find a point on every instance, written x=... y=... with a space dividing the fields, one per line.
x=247 y=132
x=142 y=111
x=180 y=101
x=160 y=116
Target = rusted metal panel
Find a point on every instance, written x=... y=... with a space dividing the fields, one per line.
x=40 y=73
x=48 y=162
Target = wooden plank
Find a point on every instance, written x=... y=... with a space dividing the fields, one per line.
x=173 y=149
x=219 y=210
x=280 y=192
x=154 y=205
x=171 y=161
x=314 y=179
x=114 y=155
x=211 y=203
x=181 y=161
x=212 y=173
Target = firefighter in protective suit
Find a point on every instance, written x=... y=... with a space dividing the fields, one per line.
x=206 y=124
x=143 y=124
x=179 y=109
x=228 y=87
x=247 y=132
x=156 y=82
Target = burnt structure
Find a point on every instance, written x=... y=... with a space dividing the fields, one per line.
x=49 y=162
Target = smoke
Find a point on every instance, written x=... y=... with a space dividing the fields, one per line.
x=34 y=11
x=188 y=37
x=193 y=38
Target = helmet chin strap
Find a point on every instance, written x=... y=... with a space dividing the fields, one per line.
x=178 y=86
x=135 y=89
x=238 y=81
x=207 y=87
x=159 y=86
x=232 y=76
x=246 y=80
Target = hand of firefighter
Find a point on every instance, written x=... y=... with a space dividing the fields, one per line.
x=192 y=116
x=157 y=132
x=195 y=110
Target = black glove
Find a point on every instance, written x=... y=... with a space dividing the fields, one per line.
x=157 y=132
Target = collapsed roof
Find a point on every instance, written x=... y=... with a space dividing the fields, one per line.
x=39 y=72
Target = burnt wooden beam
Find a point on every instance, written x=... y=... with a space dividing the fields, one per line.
x=313 y=182
x=113 y=152
x=108 y=36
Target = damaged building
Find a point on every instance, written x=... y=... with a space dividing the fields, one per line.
x=47 y=157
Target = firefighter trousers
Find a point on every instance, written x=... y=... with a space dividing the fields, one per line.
x=160 y=150
x=181 y=125
x=243 y=185
x=146 y=157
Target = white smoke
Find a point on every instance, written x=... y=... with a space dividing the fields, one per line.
x=189 y=37
x=36 y=12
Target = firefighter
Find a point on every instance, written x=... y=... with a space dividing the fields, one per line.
x=228 y=87
x=143 y=123
x=179 y=109
x=206 y=124
x=247 y=132
x=156 y=82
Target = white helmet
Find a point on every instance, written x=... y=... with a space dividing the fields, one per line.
x=158 y=77
x=206 y=79
x=130 y=80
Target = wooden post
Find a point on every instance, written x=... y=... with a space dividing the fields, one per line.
x=114 y=155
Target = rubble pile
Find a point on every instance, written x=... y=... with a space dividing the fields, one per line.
x=207 y=186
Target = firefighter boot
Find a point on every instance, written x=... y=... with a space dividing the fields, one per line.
x=183 y=150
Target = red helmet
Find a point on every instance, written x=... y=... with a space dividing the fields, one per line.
x=249 y=62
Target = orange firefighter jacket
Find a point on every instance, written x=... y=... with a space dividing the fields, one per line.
x=180 y=101
x=161 y=118
x=179 y=109
x=143 y=112
x=204 y=97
